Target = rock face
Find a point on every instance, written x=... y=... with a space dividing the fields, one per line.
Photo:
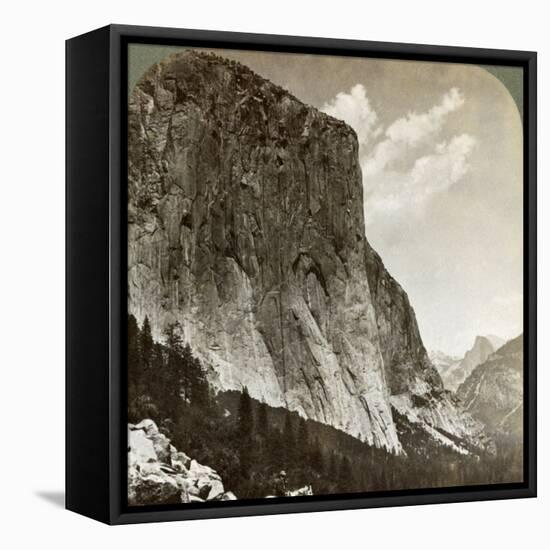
x=483 y=347
x=406 y=361
x=493 y=393
x=159 y=474
x=443 y=363
x=416 y=388
x=246 y=226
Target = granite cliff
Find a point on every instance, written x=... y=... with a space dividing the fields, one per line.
x=246 y=225
x=454 y=373
x=493 y=393
x=443 y=363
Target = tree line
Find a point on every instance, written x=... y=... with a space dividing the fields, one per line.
x=259 y=450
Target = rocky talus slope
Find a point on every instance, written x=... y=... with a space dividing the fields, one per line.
x=246 y=225
x=160 y=474
x=493 y=393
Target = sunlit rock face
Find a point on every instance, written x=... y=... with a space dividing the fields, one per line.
x=246 y=226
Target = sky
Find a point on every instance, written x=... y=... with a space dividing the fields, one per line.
x=440 y=148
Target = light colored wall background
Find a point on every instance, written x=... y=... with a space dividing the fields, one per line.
x=32 y=275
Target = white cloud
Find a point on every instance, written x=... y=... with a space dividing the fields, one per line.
x=402 y=164
x=445 y=167
x=355 y=109
x=444 y=213
x=390 y=191
x=411 y=131
x=414 y=128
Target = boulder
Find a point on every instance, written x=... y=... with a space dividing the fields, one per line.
x=152 y=489
x=160 y=474
x=161 y=445
x=227 y=496
x=180 y=461
x=302 y=491
x=210 y=488
x=148 y=426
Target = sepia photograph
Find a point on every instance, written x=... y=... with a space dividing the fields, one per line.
x=325 y=275
x=277 y=266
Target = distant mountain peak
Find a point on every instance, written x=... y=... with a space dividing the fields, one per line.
x=493 y=392
x=454 y=373
x=496 y=341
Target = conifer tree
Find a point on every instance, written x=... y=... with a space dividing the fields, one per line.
x=263 y=422
x=302 y=441
x=198 y=384
x=245 y=427
x=333 y=466
x=146 y=344
x=133 y=351
x=157 y=374
x=345 y=474
x=316 y=457
x=289 y=440
x=245 y=419
x=134 y=371
x=173 y=371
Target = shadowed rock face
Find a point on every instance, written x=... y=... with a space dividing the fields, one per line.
x=457 y=373
x=443 y=363
x=493 y=393
x=246 y=226
x=408 y=366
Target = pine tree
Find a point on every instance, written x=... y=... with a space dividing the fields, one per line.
x=303 y=443
x=199 y=391
x=157 y=374
x=245 y=427
x=263 y=422
x=316 y=457
x=345 y=474
x=275 y=447
x=333 y=467
x=262 y=433
x=133 y=351
x=289 y=441
x=146 y=344
x=187 y=371
x=173 y=371
x=134 y=371
x=245 y=418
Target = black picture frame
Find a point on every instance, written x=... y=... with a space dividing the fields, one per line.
x=96 y=101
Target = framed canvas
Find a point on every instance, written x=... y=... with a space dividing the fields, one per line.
x=301 y=274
